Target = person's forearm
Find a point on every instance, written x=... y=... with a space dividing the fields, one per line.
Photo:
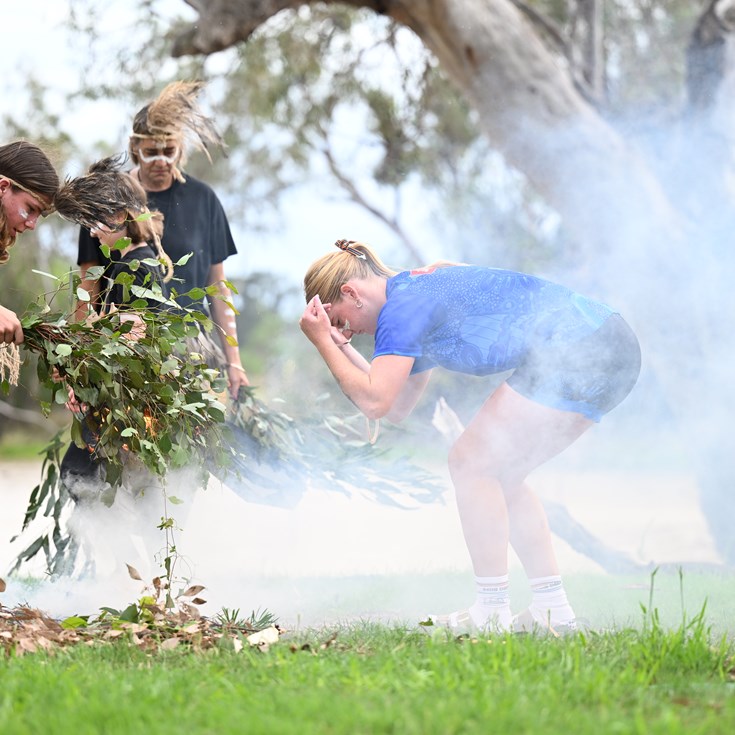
x=224 y=319
x=223 y=315
x=354 y=356
x=348 y=368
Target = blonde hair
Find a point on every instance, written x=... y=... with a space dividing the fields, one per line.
x=354 y=261
x=152 y=234
x=148 y=230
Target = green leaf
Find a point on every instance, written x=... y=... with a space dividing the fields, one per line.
x=73 y=622
x=130 y=431
x=95 y=272
x=130 y=614
x=125 y=279
x=183 y=260
x=121 y=244
x=105 y=249
x=196 y=294
x=48 y=275
x=83 y=295
x=169 y=366
x=174 y=500
x=76 y=434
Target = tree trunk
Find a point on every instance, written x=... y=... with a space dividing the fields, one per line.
x=593 y=51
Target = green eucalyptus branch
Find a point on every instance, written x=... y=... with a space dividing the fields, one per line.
x=148 y=396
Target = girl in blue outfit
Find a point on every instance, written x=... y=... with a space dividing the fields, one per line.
x=573 y=360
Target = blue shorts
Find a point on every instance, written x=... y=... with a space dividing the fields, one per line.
x=590 y=376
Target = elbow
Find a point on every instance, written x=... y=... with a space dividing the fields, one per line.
x=375 y=409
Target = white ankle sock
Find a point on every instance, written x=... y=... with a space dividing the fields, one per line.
x=549 y=604
x=492 y=604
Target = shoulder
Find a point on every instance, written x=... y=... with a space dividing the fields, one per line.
x=192 y=185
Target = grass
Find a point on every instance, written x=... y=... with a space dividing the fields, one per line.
x=20 y=445
x=663 y=675
x=377 y=679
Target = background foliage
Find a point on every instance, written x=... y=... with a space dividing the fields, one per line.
x=352 y=108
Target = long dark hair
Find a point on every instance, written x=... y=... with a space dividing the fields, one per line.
x=27 y=165
x=105 y=192
x=29 y=169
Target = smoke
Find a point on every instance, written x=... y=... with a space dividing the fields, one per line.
x=336 y=558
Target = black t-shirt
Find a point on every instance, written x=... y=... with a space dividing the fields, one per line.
x=144 y=275
x=194 y=222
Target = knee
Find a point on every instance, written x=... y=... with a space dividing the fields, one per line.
x=487 y=462
x=467 y=460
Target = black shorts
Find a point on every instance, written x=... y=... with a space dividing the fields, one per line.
x=590 y=376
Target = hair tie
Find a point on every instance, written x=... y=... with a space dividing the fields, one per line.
x=346 y=245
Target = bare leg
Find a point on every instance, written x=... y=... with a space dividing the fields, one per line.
x=529 y=532
x=508 y=438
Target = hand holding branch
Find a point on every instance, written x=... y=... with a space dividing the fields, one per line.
x=10 y=329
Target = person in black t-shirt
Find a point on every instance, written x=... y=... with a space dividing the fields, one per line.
x=195 y=220
x=110 y=203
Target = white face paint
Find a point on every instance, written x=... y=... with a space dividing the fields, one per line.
x=23 y=213
x=345 y=327
x=167 y=153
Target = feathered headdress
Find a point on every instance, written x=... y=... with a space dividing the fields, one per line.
x=101 y=194
x=175 y=113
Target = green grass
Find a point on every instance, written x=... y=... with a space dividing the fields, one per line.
x=23 y=445
x=377 y=679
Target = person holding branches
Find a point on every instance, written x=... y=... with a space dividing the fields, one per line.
x=195 y=222
x=573 y=360
x=114 y=207
x=28 y=184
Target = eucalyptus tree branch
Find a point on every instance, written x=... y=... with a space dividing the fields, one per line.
x=551 y=30
x=354 y=193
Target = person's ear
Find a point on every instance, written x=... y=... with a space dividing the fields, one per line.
x=347 y=290
x=4 y=184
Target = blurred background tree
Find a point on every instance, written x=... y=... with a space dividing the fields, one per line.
x=349 y=105
x=344 y=106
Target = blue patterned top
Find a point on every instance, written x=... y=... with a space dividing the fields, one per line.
x=479 y=320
